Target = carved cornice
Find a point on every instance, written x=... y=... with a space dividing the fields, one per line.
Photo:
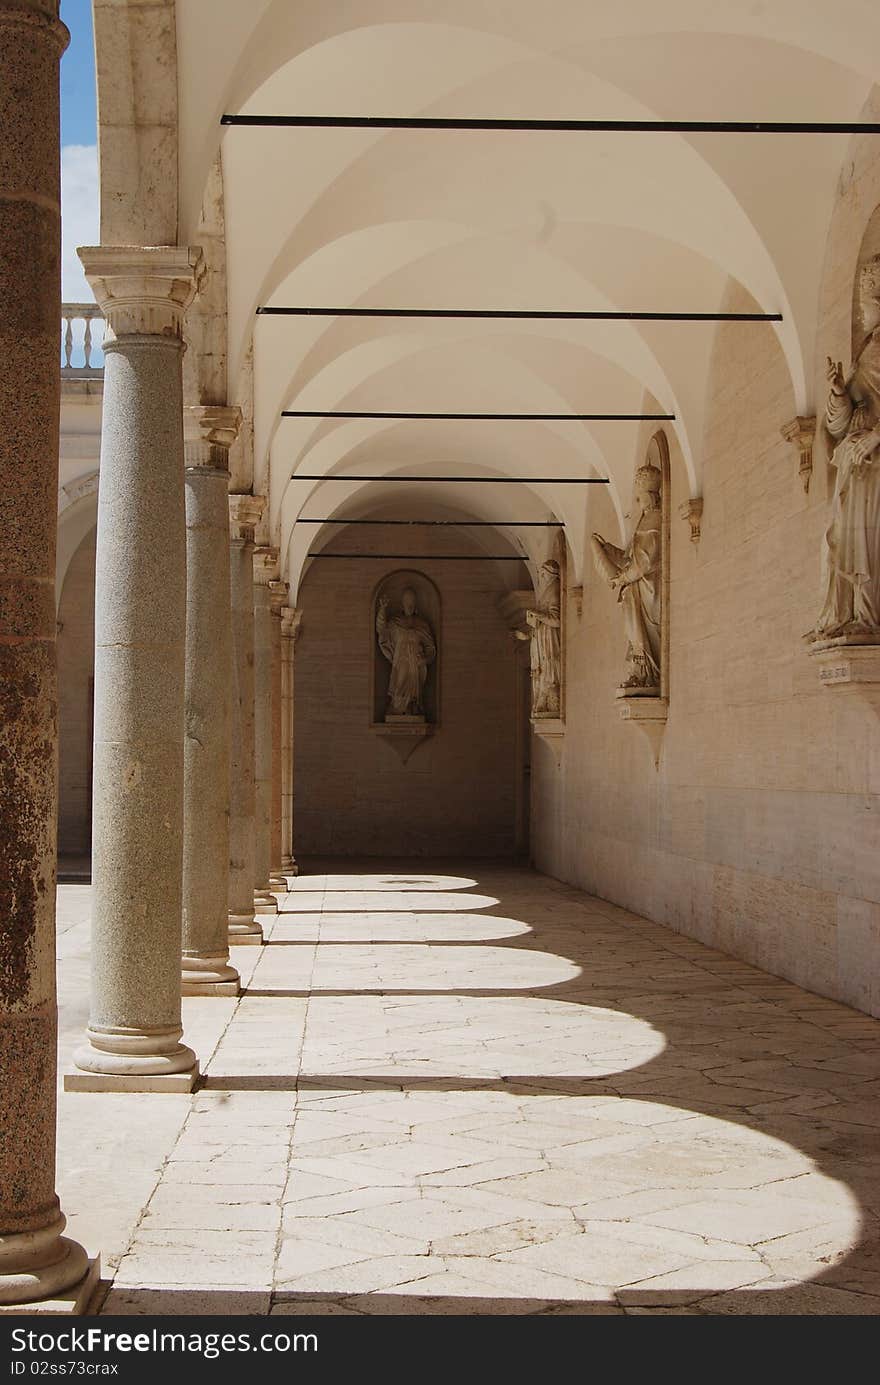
x=265 y=566
x=692 y=511
x=244 y=515
x=143 y=290
x=291 y=620
x=801 y=432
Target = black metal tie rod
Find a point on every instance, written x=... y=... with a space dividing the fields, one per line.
x=519 y=315
x=448 y=523
x=470 y=480
x=672 y=127
x=509 y=418
x=431 y=557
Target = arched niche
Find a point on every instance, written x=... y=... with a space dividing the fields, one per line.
x=428 y=606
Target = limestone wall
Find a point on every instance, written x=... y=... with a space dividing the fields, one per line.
x=76 y=663
x=760 y=832
x=353 y=795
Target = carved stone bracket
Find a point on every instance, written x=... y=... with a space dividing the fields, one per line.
x=266 y=567
x=649 y=714
x=801 y=432
x=850 y=668
x=404 y=736
x=692 y=511
x=552 y=731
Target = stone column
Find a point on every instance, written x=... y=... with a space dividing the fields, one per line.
x=277 y=597
x=209 y=431
x=265 y=572
x=290 y=619
x=244 y=514
x=36 y=1261
x=140 y=629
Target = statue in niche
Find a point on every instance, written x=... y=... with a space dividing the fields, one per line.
x=545 y=649
x=851 y=550
x=634 y=573
x=407 y=642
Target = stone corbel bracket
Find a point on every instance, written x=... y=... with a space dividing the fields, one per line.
x=403 y=738
x=692 y=511
x=851 y=668
x=801 y=432
x=649 y=714
x=552 y=731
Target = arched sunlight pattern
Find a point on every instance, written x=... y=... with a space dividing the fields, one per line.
x=448 y=1093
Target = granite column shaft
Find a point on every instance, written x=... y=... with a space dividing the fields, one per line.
x=205 y=963
x=36 y=1260
x=244 y=513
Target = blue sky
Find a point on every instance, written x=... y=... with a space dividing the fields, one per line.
x=79 y=155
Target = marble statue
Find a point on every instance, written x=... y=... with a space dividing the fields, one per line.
x=408 y=643
x=851 y=549
x=634 y=573
x=545 y=648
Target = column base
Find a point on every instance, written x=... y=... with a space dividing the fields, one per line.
x=289 y=866
x=72 y=1302
x=265 y=904
x=208 y=974
x=40 y=1265
x=244 y=931
x=278 y=883
x=131 y=1060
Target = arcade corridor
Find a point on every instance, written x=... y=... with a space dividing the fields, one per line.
x=453 y=1090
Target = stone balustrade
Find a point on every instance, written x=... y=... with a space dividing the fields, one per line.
x=79 y=340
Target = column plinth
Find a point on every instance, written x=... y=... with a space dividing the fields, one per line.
x=244 y=514
x=134 y=1033
x=40 y=1269
x=205 y=969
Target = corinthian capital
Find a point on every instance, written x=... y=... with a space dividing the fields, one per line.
x=265 y=566
x=143 y=290
x=209 y=432
x=244 y=516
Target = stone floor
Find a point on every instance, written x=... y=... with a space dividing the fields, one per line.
x=471 y=1089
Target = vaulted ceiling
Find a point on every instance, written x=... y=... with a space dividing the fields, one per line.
x=488 y=219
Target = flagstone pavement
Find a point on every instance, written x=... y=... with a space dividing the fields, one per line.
x=467 y=1088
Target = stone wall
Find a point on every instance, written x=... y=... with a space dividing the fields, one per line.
x=759 y=833
x=456 y=793
x=76 y=665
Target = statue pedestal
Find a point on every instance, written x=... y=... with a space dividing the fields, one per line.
x=403 y=733
x=551 y=730
x=647 y=710
x=852 y=668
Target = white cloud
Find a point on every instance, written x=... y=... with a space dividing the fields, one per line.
x=79 y=217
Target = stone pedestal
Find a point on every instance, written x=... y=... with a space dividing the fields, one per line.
x=552 y=731
x=648 y=711
x=850 y=668
x=244 y=513
x=277 y=597
x=205 y=968
x=290 y=622
x=265 y=572
x=134 y=1027
x=36 y=1261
